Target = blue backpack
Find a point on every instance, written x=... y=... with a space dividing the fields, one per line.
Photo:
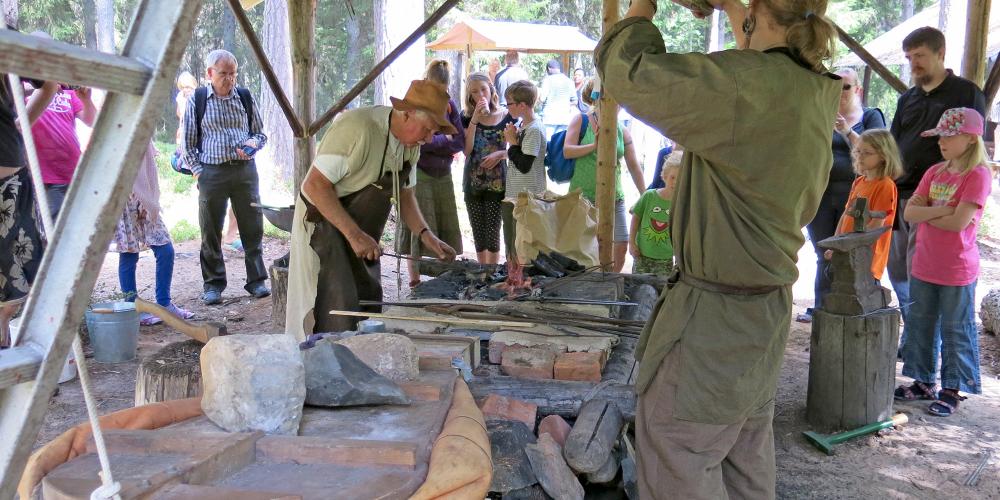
x=560 y=168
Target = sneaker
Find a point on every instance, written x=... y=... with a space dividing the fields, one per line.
x=147 y=319
x=211 y=297
x=804 y=318
x=260 y=291
x=236 y=245
x=180 y=312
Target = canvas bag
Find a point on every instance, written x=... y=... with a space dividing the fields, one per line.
x=550 y=222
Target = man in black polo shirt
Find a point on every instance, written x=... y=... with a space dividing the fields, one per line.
x=936 y=89
x=221 y=136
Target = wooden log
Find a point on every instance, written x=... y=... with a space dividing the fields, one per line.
x=976 y=30
x=870 y=60
x=607 y=160
x=622 y=366
x=279 y=295
x=852 y=368
x=555 y=397
x=173 y=372
x=607 y=473
x=590 y=444
x=298 y=128
x=301 y=29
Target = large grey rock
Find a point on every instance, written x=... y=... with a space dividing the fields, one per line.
x=253 y=383
x=392 y=356
x=336 y=377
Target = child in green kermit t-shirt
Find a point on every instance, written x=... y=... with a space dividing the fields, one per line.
x=649 y=237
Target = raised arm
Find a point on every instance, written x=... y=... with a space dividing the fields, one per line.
x=40 y=99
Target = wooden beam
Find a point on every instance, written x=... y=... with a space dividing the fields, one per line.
x=992 y=83
x=866 y=83
x=976 y=30
x=607 y=160
x=870 y=60
x=17 y=364
x=298 y=128
x=380 y=67
x=35 y=57
x=301 y=28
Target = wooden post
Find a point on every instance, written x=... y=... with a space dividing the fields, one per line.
x=567 y=70
x=992 y=83
x=870 y=60
x=867 y=81
x=172 y=372
x=976 y=28
x=302 y=25
x=607 y=159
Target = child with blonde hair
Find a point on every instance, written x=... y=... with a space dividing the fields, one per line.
x=877 y=163
x=946 y=208
x=649 y=235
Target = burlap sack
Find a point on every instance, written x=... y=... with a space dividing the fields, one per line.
x=566 y=224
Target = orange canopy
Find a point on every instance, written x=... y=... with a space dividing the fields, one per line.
x=476 y=34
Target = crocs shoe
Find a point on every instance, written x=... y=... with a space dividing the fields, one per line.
x=146 y=319
x=236 y=245
x=180 y=312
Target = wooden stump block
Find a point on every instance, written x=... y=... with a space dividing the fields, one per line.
x=852 y=369
x=173 y=372
x=279 y=293
x=590 y=443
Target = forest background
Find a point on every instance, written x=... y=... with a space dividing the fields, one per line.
x=353 y=35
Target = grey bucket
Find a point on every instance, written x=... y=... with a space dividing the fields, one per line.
x=114 y=331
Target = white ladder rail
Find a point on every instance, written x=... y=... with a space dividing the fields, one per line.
x=157 y=39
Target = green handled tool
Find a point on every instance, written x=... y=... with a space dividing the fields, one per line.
x=826 y=442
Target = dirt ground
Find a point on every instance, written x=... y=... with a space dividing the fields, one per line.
x=929 y=457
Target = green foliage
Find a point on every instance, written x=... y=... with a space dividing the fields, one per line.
x=273 y=231
x=184 y=231
x=170 y=180
x=989 y=225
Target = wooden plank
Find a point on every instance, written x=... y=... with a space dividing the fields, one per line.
x=46 y=59
x=380 y=67
x=870 y=60
x=188 y=491
x=18 y=364
x=103 y=181
x=554 y=397
x=448 y=320
x=824 y=397
x=298 y=128
x=348 y=452
x=976 y=31
x=301 y=29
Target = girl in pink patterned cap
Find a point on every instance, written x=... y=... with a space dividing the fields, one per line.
x=946 y=208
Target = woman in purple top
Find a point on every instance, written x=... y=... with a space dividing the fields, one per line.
x=435 y=189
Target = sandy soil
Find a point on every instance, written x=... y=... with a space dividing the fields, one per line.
x=929 y=457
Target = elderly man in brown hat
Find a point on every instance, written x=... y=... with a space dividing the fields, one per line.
x=367 y=157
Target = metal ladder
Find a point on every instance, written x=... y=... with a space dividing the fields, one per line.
x=138 y=83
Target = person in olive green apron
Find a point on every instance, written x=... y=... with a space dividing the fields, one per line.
x=755 y=124
x=364 y=161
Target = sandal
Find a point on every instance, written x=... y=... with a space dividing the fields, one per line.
x=918 y=390
x=946 y=404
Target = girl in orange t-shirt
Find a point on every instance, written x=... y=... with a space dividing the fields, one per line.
x=876 y=160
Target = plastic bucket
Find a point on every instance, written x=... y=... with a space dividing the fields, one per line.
x=114 y=331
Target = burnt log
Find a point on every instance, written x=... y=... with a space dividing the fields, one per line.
x=556 y=397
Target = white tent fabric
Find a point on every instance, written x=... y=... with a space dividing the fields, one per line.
x=888 y=48
x=476 y=34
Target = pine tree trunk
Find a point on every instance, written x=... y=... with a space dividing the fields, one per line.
x=10 y=12
x=394 y=21
x=908 y=11
x=89 y=23
x=229 y=30
x=105 y=25
x=353 y=57
x=275 y=160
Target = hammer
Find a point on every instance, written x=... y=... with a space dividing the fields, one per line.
x=826 y=442
x=202 y=332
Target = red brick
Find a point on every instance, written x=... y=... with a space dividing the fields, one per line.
x=528 y=362
x=504 y=408
x=585 y=366
x=497 y=347
x=555 y=426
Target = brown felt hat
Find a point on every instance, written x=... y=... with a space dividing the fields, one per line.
x=429 y=97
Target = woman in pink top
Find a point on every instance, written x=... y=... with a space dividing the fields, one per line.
x=946 y=209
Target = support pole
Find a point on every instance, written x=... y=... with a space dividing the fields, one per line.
x=298 y=128
x=867 y=82
x=379 y=68
x=607 y=159
x=301 y=27
x=992 y=83
x=870 y=60
x=976 y=28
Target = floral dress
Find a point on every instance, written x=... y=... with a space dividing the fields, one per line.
x=21 y=232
